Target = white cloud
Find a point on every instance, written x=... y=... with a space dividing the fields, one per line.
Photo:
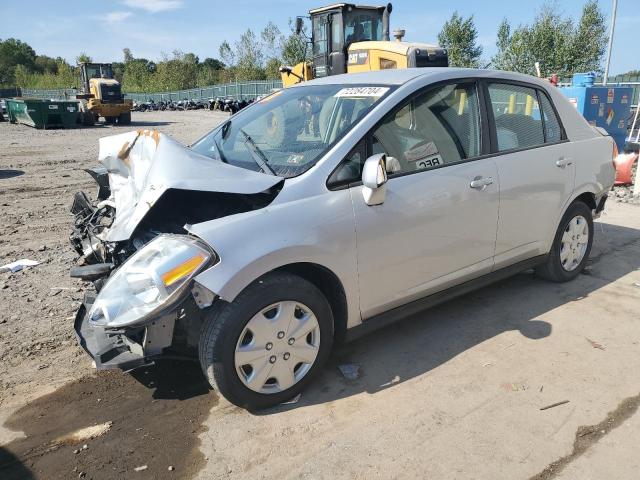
x=117 y=17
x=154 y=6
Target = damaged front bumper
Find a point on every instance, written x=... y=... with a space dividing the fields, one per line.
x=124 y=348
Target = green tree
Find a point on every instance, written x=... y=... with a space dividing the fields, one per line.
x=83 y=58
x=590 y=40
x=459 y=36
x=560 y=46
x=12 y=53
x=294 y=46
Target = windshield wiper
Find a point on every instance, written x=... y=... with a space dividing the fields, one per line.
x=257 y=154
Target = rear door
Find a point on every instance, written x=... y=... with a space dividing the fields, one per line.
x=434 y=229
x=535 y=165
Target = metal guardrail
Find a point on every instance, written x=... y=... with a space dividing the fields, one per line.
x=239 y=90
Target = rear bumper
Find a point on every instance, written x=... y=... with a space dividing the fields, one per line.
x=125 y=348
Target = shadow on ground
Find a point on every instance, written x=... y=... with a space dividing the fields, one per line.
x=4 y=174
x=142 y=123
x=425 y=341
x=13 y=466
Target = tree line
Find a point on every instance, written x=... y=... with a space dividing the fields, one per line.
x=557 y=42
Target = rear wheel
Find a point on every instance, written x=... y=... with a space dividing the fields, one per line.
x=571 y=246
x=267 y=345
x=124 y=118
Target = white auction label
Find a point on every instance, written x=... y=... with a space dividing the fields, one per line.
x=362 y=92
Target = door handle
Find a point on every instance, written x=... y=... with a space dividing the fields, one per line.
x=563 y=162
x=479 y=183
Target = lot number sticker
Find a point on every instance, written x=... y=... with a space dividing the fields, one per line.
x=362 y=92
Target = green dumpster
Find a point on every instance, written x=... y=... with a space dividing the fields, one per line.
x=42 y=113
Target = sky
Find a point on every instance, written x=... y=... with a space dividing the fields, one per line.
x=150 y=27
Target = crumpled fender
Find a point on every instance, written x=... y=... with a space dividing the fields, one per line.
x=143 y=164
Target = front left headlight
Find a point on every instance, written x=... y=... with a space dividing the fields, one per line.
x=150 y=280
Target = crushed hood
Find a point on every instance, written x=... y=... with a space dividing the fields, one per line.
x=143 y=165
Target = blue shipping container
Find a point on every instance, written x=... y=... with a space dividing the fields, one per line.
x=606 y=107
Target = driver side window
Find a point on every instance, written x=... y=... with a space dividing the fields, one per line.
x=437 y=128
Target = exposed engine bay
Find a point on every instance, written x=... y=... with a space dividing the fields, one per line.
x=124 y=182
x=150 y=188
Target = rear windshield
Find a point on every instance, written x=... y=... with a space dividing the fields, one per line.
x=291 y=129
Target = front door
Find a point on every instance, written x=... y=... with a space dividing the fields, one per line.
x=437 y=225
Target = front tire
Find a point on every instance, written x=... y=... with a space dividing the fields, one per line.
x=571 y=245
x=265 y=347
x=124 y=118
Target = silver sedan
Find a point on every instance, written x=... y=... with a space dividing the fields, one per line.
x=329 y=209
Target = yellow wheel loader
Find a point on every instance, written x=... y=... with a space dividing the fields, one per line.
x=347 y=38
x=101 y=95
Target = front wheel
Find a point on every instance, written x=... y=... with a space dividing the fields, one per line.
x=266 y=346
x=124 y=118
x=571 y=246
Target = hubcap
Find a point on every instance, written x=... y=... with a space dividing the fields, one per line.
x=574 y=243
x=277 y=347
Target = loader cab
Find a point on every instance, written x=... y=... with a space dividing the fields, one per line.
x=337 y=26
x=98 y=81
x=94 y=70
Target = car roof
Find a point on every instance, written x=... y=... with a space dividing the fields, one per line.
x=404 y=75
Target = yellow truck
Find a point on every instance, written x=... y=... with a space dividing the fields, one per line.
x=101 y=95
x=348 y=38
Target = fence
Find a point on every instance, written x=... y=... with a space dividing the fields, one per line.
x=244 y=90
x=57 y=93
x=249 y=90
x=240 y=90
x=10 y=92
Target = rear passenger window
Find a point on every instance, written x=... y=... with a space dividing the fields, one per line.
x=436 y=128
x=517 y=116
x=552 y=129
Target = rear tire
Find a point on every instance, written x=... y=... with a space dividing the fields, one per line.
x=224 y=333
x=569 y=252
x=124 y=119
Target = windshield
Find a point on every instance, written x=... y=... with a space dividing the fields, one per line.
x=95 y=70
x=362 y=25
x=287 y=132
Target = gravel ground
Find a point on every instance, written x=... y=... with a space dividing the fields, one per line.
x=455 y=392
x=39 y=173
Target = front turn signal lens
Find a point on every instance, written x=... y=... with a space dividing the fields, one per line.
x=183 y=270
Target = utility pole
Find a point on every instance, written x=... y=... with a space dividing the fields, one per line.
x=613 y=27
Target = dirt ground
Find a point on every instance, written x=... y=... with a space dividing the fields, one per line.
x=456 y=392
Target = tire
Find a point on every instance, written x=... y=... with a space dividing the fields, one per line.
x=88 y=119
x=225 y=332
x=110 y=120
x=124 y=119
x=555 y=268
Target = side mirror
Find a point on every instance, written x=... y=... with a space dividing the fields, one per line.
x=299 y=25
x=374 y=178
